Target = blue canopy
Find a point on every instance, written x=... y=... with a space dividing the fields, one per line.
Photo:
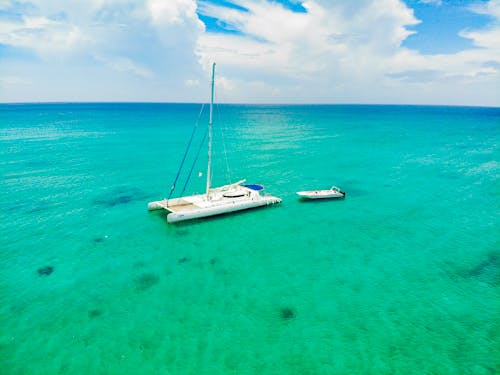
x=255 y=187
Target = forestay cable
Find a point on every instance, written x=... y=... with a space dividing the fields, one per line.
x=186 y=153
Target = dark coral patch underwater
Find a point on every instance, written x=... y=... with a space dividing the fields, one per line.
x=100 y=239
x=146 y=281
x=488 y=270
x=45 y=271
x=286 y=313
x=95 y=313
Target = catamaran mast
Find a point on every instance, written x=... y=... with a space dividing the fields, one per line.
x=210 y=132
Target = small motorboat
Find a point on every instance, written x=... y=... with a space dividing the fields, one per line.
x=333 y=192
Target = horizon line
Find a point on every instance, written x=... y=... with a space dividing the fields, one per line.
x=251 y=104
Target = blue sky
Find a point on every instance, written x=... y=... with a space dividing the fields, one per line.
x=439 y=31
x=281 y=51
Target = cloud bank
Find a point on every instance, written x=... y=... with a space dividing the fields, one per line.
x=348 y=53
x=109 y=50
x=329 y=52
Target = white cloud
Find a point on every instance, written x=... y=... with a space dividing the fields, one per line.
x=490 y=36
x=491 y=8
x=191 y=82
x=13 y=81
x=347 y=52
x=235 y=89
x=47 y=37
x=124 y=64
x=435 y=2
x=124 y=37
x=471 y=76
x=334 y=42
x=484 y=38
x=172 y=11
x=64 y=25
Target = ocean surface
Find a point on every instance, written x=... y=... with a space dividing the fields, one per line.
x=401 y=277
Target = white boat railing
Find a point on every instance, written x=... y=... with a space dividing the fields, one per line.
x=225 y=187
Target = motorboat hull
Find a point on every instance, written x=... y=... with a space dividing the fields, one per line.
x=322 y=194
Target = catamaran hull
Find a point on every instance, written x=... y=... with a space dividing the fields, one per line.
x=152 y=206
x=175 y=217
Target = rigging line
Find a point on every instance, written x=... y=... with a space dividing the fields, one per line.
x=194 y=162
x=185 y=153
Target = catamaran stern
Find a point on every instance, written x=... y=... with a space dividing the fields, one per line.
x=232 y=206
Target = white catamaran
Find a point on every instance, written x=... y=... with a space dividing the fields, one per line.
x=216 y=201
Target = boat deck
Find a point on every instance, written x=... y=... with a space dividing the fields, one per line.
x=182 y=206
x=179 y=205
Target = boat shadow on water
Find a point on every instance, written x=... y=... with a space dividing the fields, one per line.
x=119 y=196
x=319 y=201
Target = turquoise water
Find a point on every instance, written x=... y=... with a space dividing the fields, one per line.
x=401 y=277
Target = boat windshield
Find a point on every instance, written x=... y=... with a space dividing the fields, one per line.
x=255 y=187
